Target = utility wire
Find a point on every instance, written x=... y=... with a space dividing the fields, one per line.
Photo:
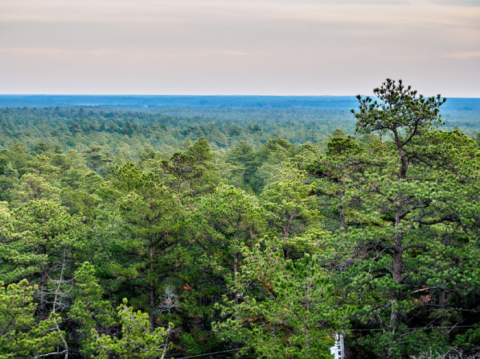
x=203 y=355
x=458 y=326
x=352 y=330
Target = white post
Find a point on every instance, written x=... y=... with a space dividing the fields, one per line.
x=338 y=350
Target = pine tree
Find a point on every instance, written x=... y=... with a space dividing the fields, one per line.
x=422 y=190
x=136 y=341
x=147 y=212
x=36 y=237
x=20 y=333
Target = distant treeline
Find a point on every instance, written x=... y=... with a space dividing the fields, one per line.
x=123 y=131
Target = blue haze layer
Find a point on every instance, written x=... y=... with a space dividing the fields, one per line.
x=318 y=102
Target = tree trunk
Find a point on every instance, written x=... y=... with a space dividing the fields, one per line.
x=401 y=154
x=235 y=269
x=342 y=213
x=152 y=289
x=342 y=218
x=443 y=302
x=397 y=264
x=43 y=285
x=307 y=330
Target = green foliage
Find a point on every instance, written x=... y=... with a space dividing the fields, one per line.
x=290 y=207
x=201 y=151
x=246 y=162
x=147 y=212
x=20 y=333
x=229 y=220
x=342 y=145
x=225 y=232
x=96 y=157
x=89 y=310
x=35 y=236
x=422 y=190
x=137 y=340
x=399 y=109
x=127 y=131
x=293 y=310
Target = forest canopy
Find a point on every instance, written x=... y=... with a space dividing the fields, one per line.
x=250 y=233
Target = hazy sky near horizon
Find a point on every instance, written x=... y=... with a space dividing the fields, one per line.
x=261 y=47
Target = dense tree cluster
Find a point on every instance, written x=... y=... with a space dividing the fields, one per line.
x=124 y=131
x=258 y=250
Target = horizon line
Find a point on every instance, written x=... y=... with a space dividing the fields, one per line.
x=196 y=95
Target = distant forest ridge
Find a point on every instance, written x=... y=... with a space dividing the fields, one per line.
x=125 y=125
x=239 y=102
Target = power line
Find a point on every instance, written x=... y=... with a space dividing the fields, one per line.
x=202 y=355
x=352 y=330
x=423 y=328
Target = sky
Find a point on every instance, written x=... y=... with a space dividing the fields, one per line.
x=238 y=47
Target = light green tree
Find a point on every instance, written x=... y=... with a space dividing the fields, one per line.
x=288 y=308
x=244 y=157
x=32 y=187
x=89 y=310
x=137 y=341
x=228 y=220
x=20 y=333
x=35 y=238
x=146 y=214
x=290 y=207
